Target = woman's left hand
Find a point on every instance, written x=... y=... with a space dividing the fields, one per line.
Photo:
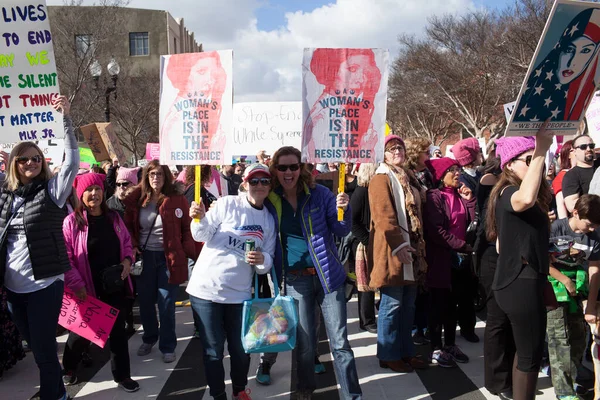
x=255 y=258
x=342 y=201
x=61 y=104
x=126 y=268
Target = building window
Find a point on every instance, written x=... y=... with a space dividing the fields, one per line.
x=138 y=44
x=84 y=45
x=175 y=45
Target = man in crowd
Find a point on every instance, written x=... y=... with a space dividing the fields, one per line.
x=577 y=180
x=232 y=180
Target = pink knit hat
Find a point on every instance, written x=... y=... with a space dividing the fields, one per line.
x=128 y=174
x=439 y=166
x=509 y=148
x=84 y=181
x=394 y=137
x=466 y=151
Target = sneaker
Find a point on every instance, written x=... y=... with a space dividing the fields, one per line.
x=26 y=347
x=145 y=349
x=129 y=385
x=69 y=378
x=169 y=357
x=568 y=398
x=470 y=336
x=419 y=339
x=244 y=395
x=263 y=374
x=457 y=355
x=319 y=367
x=442 y=359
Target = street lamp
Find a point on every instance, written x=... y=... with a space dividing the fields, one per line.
x=113 y=70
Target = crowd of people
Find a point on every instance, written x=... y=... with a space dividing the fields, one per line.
x=422 y=238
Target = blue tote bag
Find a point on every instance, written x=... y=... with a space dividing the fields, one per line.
x=269 y=325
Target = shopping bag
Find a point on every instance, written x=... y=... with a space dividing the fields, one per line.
x=269 y=325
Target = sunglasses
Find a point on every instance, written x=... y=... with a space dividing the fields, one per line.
x=123 y=184
x=526 y=160
x=262 y=181
x=24 y=159
x=583 y=147
x=291 y=167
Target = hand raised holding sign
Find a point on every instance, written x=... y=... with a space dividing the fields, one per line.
x=62 y=105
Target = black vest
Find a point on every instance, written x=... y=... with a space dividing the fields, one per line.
x=43 y=221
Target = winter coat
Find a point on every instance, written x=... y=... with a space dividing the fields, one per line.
x=80 y=274
x=319 y=225
x=177 y=237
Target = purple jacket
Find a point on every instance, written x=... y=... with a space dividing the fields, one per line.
x=80 y=274
x=439 y=241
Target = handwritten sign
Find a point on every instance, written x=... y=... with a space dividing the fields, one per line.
x=28 y=78
x=91 y=319
x=265 y=126
x=152 y=151
x=344 y=105
x=560 y=81
x=196 y=106
x=103 y=142
x=54 y=150
x=592 y=116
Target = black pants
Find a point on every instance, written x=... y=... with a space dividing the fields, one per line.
x=421 y=308
x=117 y=341
x=522 y=302
x=498 y=342
x=464 y=288
x=366 y=308
x=442 y=314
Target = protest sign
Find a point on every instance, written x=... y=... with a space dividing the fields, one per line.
x=53 y=150
x=89 y=318
x=592 y=116
x=103 y=142
x=29 y=81
x=508 y=109
x=265 y=126
x=142 y=163
x=563 y=73
x=196 y=101
x=86 y=156
x=344 y=104
x=152 y=151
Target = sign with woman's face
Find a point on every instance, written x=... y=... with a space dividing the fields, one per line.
x=195 y=107
x=563 y=73
x=344 y=105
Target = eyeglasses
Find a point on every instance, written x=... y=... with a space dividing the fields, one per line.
x=291 y=167
x=262 y=181
x=453 y=169
x=526 y=160
x=123 y=184
x=395 y=149
x=24 y=159
x=583 y=147
x=156 y=174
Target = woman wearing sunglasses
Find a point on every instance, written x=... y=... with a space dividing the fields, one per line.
x=517 y=220
x=34 y=253
x=306 y=215
x=223 y=275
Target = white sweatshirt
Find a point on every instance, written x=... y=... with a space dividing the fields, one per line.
x=221 y=273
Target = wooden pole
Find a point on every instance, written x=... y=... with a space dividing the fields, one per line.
x=198 y=187
x=342 y=183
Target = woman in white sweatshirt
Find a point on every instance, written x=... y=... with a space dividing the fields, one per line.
x=223 y=275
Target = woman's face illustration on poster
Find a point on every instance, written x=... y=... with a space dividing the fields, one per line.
x=352 y=74
x=200 y=75
x=575 y=59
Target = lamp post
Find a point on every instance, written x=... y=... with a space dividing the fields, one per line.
x=113 y=70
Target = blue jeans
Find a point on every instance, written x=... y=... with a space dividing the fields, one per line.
x=36 y=316
x=309 y=293
x=395 y=322
x=153 y=286
x=220 y=322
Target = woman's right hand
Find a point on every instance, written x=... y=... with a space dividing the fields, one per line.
x=544 y=138
x=197 y=211
x=570 y=287
x=405 y=254
x=81 y=294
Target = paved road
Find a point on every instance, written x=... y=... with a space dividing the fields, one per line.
x=185 y=380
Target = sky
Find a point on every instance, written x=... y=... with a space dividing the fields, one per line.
x=267 y=36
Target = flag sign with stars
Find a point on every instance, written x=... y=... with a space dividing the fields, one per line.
x=563 y=73
x=250 y=231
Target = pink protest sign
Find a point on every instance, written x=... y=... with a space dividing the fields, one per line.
x=91 y=319
x=152 y=151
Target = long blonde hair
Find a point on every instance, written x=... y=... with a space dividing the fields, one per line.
x=365 y=173
x=13 y=180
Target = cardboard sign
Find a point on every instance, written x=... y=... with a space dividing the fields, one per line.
x=28 y=80
x=91 y=319
x=103 y=142
x=265 y=126
x=563 y=73
x=54 y=150
x=344 y=105
x=196 y=106
x=152 y=151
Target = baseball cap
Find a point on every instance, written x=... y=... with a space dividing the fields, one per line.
x=254 y=169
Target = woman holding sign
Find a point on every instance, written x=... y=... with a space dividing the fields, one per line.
x=100 y=252
x=307 y=215
x=35 y=255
